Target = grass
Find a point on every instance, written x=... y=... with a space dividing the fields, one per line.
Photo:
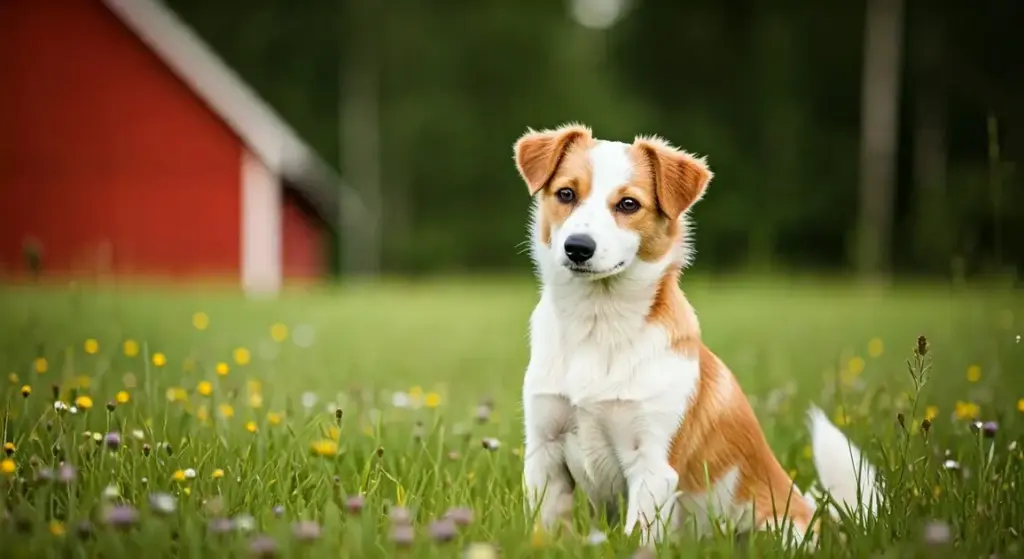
x=426 y=380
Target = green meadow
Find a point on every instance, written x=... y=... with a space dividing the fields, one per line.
x=384 y=420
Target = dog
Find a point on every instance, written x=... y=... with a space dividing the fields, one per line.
x=620 y=397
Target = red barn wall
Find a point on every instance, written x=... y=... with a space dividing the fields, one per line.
x=304 y=244
x=105 y=156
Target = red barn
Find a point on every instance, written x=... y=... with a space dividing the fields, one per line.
x=129 y=148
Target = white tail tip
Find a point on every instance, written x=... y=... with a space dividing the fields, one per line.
x=842 y=472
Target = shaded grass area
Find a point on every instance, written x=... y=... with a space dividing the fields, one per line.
x=245 y=395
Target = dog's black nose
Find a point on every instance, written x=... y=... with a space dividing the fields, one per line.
x=579 y=248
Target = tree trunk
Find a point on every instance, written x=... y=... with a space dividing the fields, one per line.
x=359 y=128
x=883 y=43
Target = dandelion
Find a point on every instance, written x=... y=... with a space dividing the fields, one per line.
x=204 y=388
x=443 y=530
x=875 y=347
x=242 y=356
x=274 y=418
x=26 y=391
x=130 y=348
x=8 y=448
x=226 y=411
x=217 y=474
x=91 y=346
x=178 y=475
x=279 y=332
x=121 y=516
x=432 y=400
x=251 y=427
x=159 y=359
x=8 y=467
x=325 y=447
x=40 y=365
x=263 y=546
x=162 y=503
x=57 y=528
x=122 y=397
x=931 y=412
x=306 y=530
x=966 y=410
x=973 y=373
x=200 y=321
x=83 y=402
x=222 y=368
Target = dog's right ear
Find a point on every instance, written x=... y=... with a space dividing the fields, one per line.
x=539 y=153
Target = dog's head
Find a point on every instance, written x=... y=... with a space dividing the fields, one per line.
x=603 y=207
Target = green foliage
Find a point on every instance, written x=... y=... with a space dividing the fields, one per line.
x=424 y=375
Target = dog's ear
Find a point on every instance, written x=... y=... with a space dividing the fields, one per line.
x=679 y=178
x=539 y=153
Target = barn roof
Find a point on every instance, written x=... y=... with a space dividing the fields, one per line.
x=255 y=122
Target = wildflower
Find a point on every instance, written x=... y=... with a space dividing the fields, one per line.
x=480 y=551
x=355 y=504
x=432 y=400
x=190 y=473
x=8 y=467
x=255 y=400
x=66 y=473
x=73 y=410
x=26 y=391
x=220 y=526
x=279 y=332
x=951 y=465
x=461 y=516
x=442 y=530
x=491 y=443
x=146 y=449
x=263 y=546
x=176 y=394
x=973 y=373
x=122 y=397
x=278 y=511
x=937 y=533
x=111 y=492
x=130 y=348
x=306 y=530
x=200 y=321
x=162 y=503
x=1020 y=405
x=596 y=537
x=44 y=475
x=60 y=406
x=251 y=427
x=111 y=406
x=226 y=411
x=91 y=346
x=926 y=425
x=222 y=368
x=57 y=528
x=274 y=418
x=966 y=410
x=403 y=535
x=989 y=429
x=83 y=402
x=931 y=412
x=97 y=438
x=159 y=359
x=242 y=356
x=400 y=515
x=875 y=347
x=204 y=388
x=855 y=365
x=113 y=440
x=325 y=447
x=244 y=522
x=121 y=516
x=8 y=448
x=308 y=399
x=178 y=475
x=217 y=474
x=144 y=480
x=40 y=365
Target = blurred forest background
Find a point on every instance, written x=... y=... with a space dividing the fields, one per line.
x=875 y=136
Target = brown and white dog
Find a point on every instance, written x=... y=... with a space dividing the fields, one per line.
x=621 y=397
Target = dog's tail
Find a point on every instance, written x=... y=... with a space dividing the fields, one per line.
x=843 y=473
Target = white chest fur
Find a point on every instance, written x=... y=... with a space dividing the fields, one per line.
x=603 y=396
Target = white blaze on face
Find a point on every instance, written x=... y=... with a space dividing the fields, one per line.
x=611 y=169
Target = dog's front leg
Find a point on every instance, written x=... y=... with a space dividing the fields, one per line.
x=547 y=480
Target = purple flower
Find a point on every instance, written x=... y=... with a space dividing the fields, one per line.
x=220 y=526
x=400 y=515
x=306 y=530
x=443 y=530
x=263 y=546
x=66 y=473
x=278 y=511
x=45 y=475
x=355 y=504
x=121 y=516
x=461 y=516
x=403 y=535
x=989 y=429
x=113 y=440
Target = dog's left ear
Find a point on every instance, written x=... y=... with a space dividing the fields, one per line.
x=538 y=154
x=679 y=177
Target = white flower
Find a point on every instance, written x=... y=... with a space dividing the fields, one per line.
x=111 y=492
x=60 y=406
x=400 y=400
x=138 y=434
x=308 y=400
x=244 y=522
x=951 y=465
x=190 y=473
x=73 y=410
x=491 y=443
x=1013 y=446
x=163 y=502
x=596 y=537
x=1018 y=338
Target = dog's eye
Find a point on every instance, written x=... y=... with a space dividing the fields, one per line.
x=566 y=195
x=627 y=205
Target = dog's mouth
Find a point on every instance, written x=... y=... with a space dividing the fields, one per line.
x=592 y=273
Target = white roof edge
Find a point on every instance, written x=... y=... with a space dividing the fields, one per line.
x=255 y=122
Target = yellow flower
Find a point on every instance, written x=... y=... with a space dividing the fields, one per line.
x=204 y=388
x=13 y=377
x=242 y=356
x=432 y=400
x=178 y=475
x=217 y=474
x=122 y=397
x=226 y=410
x=202 y=413
x=274 y=418
x=7 y=467
x=251 y=427
x=92 y=346
x=200 y=321
x=875 y=347
x=1020 y=405
x=966 y=410
x=40 y=365
x=159 y=359
x=56 y=528
x=279 y=332
x=8 y=448
x=83 y=402
x=973 y=373
x=856 y=365
x=222 y=368
x=130 y=348
x=255 y=400
x=26 y=391
x=325 y=447
x=931 y=412
x=176 y=394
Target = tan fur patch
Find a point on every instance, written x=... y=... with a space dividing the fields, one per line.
x=679 y=178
